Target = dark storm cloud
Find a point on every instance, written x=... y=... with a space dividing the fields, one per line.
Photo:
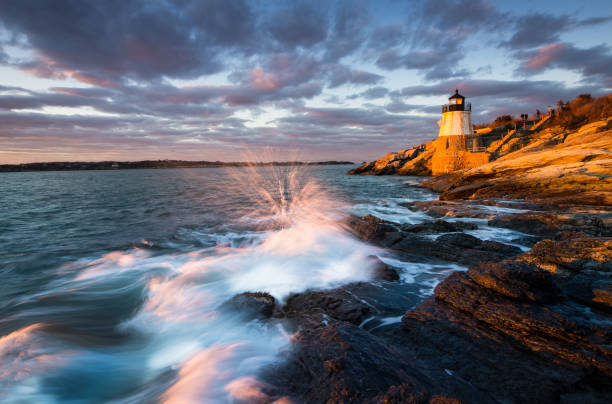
x=536 y=29
x=142 y=40
x=299 y=24
x=349 y=31
x=595 y=21
x=433 y=42
x=593 y=63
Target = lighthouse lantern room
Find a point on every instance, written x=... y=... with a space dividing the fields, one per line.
x=456 y=117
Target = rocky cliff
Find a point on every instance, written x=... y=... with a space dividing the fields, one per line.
x=547 y=163
x=413 y=161
x=532 y=327
x=554 y=166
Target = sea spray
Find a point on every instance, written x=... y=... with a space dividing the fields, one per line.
x=115 y=297
x=177 y=346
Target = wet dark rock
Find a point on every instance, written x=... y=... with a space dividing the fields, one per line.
x=542 y=224
x=375 y=230
x=339 y=304
x=527 y=241
x=573 y=254
x=460 y=240
x=356 y=303
x=549 y=224
x=520 y=314
x=251 y=305
x=440 y=209
x=438 y=226
x=515 y=279
x=453 y=247
x=509 y=331
x=341 y=363
x=382 y=271
x=456 y=247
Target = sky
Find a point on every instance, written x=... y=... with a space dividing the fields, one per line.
x=229 y=80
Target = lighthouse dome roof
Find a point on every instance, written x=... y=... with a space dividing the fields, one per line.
x=456 y=95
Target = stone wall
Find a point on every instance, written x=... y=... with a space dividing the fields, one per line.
x=458 y=152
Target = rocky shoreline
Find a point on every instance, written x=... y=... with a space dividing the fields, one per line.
x=517 y=327
x=528 y=320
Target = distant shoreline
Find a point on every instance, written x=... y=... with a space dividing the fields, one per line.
x=130 y=165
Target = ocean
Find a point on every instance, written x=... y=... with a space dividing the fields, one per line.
x=110 y=281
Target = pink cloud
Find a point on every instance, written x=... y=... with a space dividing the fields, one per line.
x=544 y=56
x=86 y=78
x=263 y=81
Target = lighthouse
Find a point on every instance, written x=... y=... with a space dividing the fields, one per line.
x=456 y=117
x=457 y=146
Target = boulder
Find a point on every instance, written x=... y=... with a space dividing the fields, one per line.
x=382 y=271
x=506 y=331
x=438 y=226
x=251 y=305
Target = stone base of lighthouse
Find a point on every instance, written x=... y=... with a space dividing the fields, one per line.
x=457 y=153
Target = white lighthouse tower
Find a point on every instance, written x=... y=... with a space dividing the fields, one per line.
x=456 y=117
x=457 y=146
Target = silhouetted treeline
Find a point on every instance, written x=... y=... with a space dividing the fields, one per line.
x=118 y=165
x=569 y=114
x=582 y=110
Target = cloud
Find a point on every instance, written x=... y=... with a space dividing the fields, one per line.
x=536 y=29
x=350 y=29
x=491 y=98
x=592 y=63
x=299 y=24
x=105 y=42
x=539 y=29
x=371 y=93
x=434 y=41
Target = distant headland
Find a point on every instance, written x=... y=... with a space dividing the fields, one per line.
x=126 y=165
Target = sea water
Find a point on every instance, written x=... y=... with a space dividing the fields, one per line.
x=110 y=281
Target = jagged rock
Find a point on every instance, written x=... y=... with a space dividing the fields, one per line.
x=576 y=169
x=575 y=254
x=504 y=331
x=341 y=363
x=251 y=305
x=382 y=271
x=460 y=240
x=439 y=209
x=515 y=279
x=544 y=347
x=375 y=230
x=454 y=247
x=548 y=224
x=413 y=161
x=338 y=304
x=438 y=226
x=354 y=303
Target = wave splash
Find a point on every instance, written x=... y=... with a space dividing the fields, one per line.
x=177 y=346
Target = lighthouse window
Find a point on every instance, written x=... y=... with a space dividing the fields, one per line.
x=453 y=100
